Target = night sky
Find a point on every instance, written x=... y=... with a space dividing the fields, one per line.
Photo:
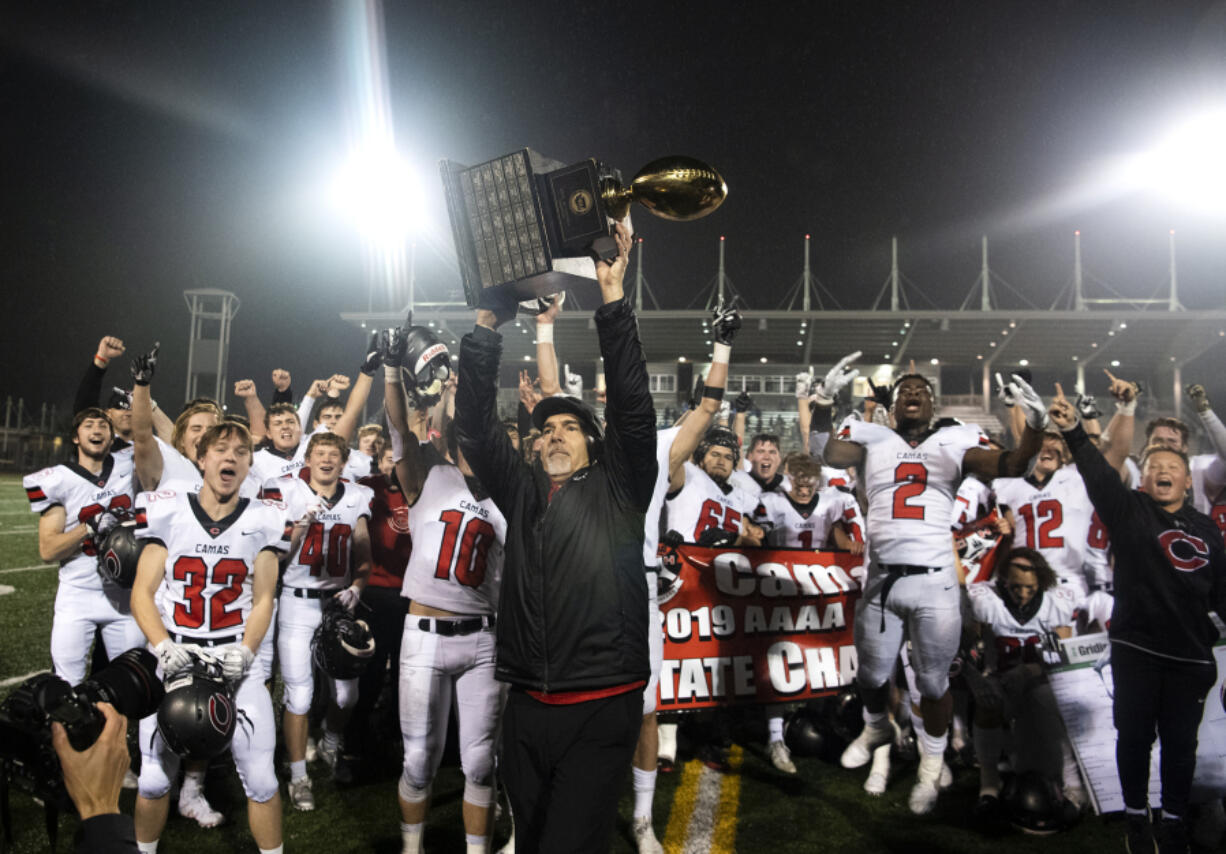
x=148 y=148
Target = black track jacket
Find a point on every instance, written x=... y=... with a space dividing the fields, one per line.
x=572 y=612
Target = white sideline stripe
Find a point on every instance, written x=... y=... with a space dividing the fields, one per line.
x=6 y=589
x=702 y=822
x=28 y=568
x=17 y=680
x=19 y=531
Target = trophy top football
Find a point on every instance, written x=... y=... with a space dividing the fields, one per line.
x=534 y=225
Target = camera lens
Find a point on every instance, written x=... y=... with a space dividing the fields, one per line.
x=129 y=683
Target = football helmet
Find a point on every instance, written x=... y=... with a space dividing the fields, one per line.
x=341 y=645
x=845 y=714
x=196 y=717
x=1035 y=806
x=426 y=366
x=119 y=553
x=718 y=436
x=805 y=734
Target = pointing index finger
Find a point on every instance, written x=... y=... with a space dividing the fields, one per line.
x=1060 y=392
x=1110 y=375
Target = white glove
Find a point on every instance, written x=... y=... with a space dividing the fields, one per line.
x=349 y=597
x=173 y=657
x=317 y=505
x=803 y=383
x=725 y=412
x=1030 y=402
x=1005 y=392
x=236 y=660
x=574 y=382
x=836 y=379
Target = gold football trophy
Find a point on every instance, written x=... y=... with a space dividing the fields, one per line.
x=529 y=223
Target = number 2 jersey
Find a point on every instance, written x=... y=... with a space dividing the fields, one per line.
x=911 y=489
x=458 y=540
x=210 y=564
x=83 y=495
x=324 y=557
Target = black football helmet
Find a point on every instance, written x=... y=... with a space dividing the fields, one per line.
x=197 y=716
x=426 y=366
x=341 y=645
x=119 y=553
x=718 y=436
x=805 y=734
x=1035 y=806
x=845 y=715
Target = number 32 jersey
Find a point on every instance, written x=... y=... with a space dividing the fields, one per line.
x=911 y=489
x=210 y=564
x=456 y=564
x=323 y=560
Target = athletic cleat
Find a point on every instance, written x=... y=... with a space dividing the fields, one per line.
x=860 y=751
x=924 y=793
x=300 y=794
x=713 y=757
x=666 y=765
x=781 y=757
x=196 y=807
x=326 y=754
x=947 y=777
x=879 y=775
x=645 y=836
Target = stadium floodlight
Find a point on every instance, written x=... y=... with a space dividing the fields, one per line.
x=1187 y=164
x=378 y=191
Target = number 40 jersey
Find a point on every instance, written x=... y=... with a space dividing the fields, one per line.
x=911 y=489
x=456 y=564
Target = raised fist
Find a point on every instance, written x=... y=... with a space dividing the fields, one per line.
x=280 y=379
x=1199 y=398
x=110 y=347
x=725 y=323
x=373 y=357
x=391 y=347
x=742 y=403
x=143 y=366
x=1087 y=406
x=244 y=388
x=336 y=384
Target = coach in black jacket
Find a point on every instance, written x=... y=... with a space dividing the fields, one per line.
x=572 y=614
x=1170 y=571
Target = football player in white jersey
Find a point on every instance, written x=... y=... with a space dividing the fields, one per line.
x=361 y=462
x=1017 y=613
x=910 y=475
x=284 y=451
x=702 y=506
x=330 y=558
x=762 y=473
x=76 y=502
x=805 y=517
x=216 y=554
x=447 y=649
x=1050 y=512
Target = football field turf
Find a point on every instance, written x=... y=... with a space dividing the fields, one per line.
x=755 y=809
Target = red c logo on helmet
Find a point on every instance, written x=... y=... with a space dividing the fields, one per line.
x=1187 y=553
x=221 y=712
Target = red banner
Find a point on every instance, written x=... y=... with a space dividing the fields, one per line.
x=756 y=625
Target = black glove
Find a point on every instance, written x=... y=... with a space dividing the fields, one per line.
x=391 y=347
x=742 y=403
x=1087 y=406
x=725 y=323
x=143 y=366
x=880 y=394
x=672 y=539
x=717 y=538
x=373 y=357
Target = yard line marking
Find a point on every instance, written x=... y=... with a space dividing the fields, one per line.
x=28 y=568
x=19 y=531
x=724 y=838
x=17 y=680
x=683 y=806
x=6 y=589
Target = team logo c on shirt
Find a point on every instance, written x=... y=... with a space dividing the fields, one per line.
x=1187 y=553
x=400 y=520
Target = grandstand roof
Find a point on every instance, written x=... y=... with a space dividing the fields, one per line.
x=1149 y=339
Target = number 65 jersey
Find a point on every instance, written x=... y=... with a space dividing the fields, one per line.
x=911 y=489
x=210 y=564
x=456 y=564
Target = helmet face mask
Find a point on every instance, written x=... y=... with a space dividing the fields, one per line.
x=426 y=366
x=341 y=645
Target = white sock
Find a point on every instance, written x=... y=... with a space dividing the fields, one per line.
x=774 y=725
x=476 y=844
x=193 y=782
x=988 y=741
x=280 y=849
x=933 y=745
x=877 y=720
x=147 y=847
x=644 y=791
x=667 y=736
x=297 y=770
x=410 y=837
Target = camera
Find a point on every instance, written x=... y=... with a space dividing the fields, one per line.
x=129 y=683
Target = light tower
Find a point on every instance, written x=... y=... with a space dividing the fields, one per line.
x=208 y=346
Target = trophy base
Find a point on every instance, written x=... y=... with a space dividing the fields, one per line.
x=543 y=285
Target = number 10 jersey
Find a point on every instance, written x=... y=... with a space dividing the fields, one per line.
x=456 y=564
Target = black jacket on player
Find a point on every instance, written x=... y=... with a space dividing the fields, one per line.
x=1170 y=568
x=572 y=612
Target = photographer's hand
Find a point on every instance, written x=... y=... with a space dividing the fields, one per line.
x=94 y=776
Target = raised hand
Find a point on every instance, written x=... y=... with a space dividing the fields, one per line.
x=1087 y=406
x=109 y=348
x=144 y=365
x=528 y=394
x=804 y=384
x=552 y=306
x=725 y=323
x=1062 y=412
x=836 y=379
x=1005 y=392
x=880 y=393
x=373 y=359
x=573 y=382
x=1030 y=402
x=1124 y=391
x=1199 y=398
x=610 y=274
x=742 y=403
x=336 y=384
x=244 y=388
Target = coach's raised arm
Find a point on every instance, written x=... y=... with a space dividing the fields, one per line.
x=572 y=616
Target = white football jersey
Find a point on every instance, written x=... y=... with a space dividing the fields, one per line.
x=267 y=464
x=323 y=560
x=1053 y=518
x=911 y=489
x=186 y=476
x=651 y=527
x=748 y=484
x=1017 y=642
x=1208 y=481
x=357 y=466
x=83 y=495
x=807 y=526
x=703 y=504
x=1096 y=563
x=457 y=557
x=842 y=478
x=971 y=502
x=210 y=564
